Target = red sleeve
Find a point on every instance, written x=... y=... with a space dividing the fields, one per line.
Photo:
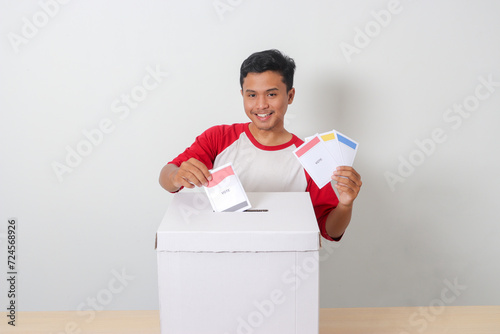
x=211 y=143
x=205 y=148
x=324 y=200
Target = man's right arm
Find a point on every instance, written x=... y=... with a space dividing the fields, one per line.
x=189 y=174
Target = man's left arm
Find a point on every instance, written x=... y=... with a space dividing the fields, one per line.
x=348 y=186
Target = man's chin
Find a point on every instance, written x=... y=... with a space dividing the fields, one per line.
x=263 y=126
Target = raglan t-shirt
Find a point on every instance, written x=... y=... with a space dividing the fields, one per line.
x=260 y=168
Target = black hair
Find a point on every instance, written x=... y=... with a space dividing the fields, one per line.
x=269 y=60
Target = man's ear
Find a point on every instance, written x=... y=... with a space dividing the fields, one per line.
x=291 y=95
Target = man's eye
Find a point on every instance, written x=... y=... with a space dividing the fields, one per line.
x=251 y=95
x=272 y=94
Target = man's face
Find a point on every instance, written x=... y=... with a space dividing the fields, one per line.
x=266 y=100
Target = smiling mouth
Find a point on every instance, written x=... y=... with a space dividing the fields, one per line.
x=264 y=116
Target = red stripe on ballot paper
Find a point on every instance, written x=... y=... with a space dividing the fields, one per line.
x=307 y=146
x=220 y=175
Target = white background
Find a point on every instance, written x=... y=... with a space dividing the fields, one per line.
x=404 y=243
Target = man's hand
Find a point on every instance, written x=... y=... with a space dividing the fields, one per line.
x=348 y=184
x=191 y=173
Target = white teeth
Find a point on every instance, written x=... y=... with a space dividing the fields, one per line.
x=263 y=115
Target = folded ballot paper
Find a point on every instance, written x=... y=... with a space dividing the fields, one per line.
x=324 y=152
x=225 y=191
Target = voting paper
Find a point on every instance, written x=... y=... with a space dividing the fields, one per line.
x=348 y=148
x=317 y=160
x=225 y=191
x=332 y=144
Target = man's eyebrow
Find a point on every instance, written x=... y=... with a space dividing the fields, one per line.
x=252 y=91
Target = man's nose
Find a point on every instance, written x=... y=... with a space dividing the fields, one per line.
x=262 y=103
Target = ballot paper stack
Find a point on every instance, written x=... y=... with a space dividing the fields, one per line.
x=322 y=153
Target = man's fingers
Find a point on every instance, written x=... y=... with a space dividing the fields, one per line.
x=186 y=183
x=193 y=173
x=346 y=183
x=347 y=175
x=347 y=187
x=202 y=168
x=347 y=171
x=193 y=176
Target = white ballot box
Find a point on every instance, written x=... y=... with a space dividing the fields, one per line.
x=239 y=272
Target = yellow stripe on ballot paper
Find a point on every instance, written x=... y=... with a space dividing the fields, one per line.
x=328 y=136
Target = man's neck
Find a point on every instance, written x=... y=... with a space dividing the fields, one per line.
x=272 y=137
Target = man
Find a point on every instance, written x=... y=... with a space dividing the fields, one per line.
x=261 y=151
